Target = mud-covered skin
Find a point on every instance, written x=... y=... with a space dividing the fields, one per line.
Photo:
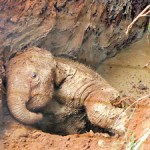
x=76 y=86
x=29 y=82
x=62 y=119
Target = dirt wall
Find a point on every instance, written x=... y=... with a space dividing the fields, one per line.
x=89 y=31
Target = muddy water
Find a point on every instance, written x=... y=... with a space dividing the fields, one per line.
x=129 y=71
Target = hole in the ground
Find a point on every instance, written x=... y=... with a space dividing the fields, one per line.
x=71 y=123
x=62 y=120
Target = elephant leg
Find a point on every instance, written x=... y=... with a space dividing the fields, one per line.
x=106 y=116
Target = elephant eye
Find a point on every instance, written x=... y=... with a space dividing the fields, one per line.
x=34 y=75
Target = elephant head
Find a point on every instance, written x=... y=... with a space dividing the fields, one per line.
x=30 y=78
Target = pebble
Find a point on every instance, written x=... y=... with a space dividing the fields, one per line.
x=142 y=86
x=91 y=133
x=101 y=143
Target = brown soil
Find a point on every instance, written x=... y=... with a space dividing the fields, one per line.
x=15 y=136
x=16 y=28
x=86 y=30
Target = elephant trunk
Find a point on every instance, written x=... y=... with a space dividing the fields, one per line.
x=17 y=107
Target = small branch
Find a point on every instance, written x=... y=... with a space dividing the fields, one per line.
x=144 y=13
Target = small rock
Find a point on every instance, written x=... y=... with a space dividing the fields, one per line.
x=142 y=86
x=14 y=19
x=91 y=133
x=101 y=143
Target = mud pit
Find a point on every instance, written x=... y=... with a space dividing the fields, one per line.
x=15 y=136
x=129 y=71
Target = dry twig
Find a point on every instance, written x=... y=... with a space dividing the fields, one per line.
x=144 y=13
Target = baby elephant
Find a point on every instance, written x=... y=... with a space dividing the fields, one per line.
x=34 y=74
x=30 y=78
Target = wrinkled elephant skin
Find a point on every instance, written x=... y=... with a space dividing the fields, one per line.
x=76 y=87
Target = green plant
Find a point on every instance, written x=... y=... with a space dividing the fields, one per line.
x=131 y=143
x=135 y=145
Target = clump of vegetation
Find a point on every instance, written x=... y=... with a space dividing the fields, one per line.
x=132 y=143
x=135 y=145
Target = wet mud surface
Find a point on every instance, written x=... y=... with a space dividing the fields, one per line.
x=129 y=71
x=15 y=136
